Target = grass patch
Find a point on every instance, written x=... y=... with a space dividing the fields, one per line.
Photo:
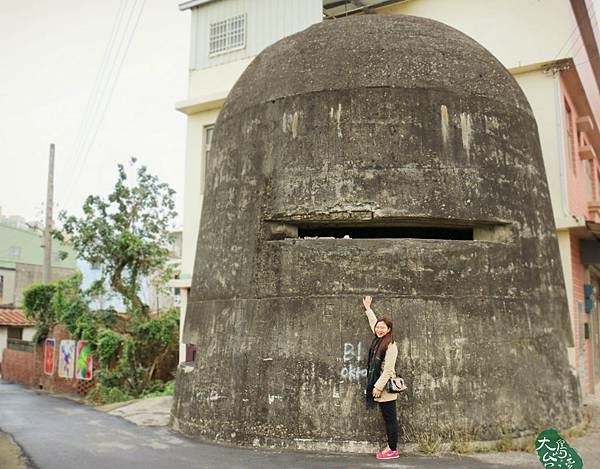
x=429 y=443
x=461 y=447
x=460 y=442
x=101 y=395
x=168 y=390
x=505 y=443
x=577 y=431
x=483 y=449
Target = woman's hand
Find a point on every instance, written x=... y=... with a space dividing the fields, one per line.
x=376 y=392
x=367 y=301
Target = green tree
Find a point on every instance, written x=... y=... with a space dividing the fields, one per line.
x=37 y=304
x=64 y=302
x=127 y=233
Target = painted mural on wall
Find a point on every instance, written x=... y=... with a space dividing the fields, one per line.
x=66 y=359
x=49 y=356
x=84 y=367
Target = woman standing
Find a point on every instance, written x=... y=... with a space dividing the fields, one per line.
x=380 y=368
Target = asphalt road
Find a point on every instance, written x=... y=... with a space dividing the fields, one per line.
x=58 y=433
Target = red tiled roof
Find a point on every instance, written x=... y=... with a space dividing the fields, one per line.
x=14 y=317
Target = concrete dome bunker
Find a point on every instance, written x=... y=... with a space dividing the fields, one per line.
x=412 y=138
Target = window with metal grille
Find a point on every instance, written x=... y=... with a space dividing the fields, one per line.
x=227 y=35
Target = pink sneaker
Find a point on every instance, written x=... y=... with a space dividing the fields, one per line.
x=387 y=454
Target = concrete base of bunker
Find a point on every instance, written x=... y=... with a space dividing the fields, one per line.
x=305 y=390
x=420 y=146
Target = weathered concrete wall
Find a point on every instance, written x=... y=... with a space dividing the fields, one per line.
x=375 y=121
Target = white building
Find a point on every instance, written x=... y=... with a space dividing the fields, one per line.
x=549 y=46
x=226 y=36
x=14 y=325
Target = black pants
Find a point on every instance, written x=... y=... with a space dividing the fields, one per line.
x=388 y=411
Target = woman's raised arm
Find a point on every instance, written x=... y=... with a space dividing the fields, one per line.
x=370 y=314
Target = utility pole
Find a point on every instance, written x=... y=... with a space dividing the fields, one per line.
x=48 y=227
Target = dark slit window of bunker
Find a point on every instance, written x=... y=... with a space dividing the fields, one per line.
x=376 y=232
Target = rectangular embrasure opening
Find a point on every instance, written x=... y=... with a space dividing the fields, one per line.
x=376 y=232
x=500 y=232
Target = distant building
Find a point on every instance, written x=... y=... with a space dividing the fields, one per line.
x=14 y=326
x=22 y=260
x=160 y=297
x=157 y=297
x=17 y=221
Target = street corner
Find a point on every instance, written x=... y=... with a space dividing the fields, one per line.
x=151 y=412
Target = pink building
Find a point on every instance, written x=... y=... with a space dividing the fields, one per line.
x=551 y=49
x=582 y=171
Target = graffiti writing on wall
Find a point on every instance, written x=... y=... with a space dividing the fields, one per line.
x=352 y=370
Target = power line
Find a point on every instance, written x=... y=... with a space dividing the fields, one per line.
x=106 y=86
x=574 y=36
x=100 y=76
x=106 y=94
x=593 y=19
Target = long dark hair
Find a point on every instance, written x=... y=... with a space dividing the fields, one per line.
x=387 y=339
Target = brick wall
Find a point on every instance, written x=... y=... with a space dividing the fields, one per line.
x=55 y=383
x=18 y=366
x=28 y=368
x=579 y=279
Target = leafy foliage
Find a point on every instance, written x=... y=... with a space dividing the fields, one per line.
x=109 y=344
x=127 y=233
x=151 y=343
x=37 y=300
x=166 y=389
x=102 y=394
x=129 y=359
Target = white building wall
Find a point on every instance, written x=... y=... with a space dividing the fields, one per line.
x=545 y=98
x=183 y=306
x=517 y=32
x=3 y=340
x=211 y=79
x=195 y=167
x=28 y=333
x=210 y=86
x=266 y=22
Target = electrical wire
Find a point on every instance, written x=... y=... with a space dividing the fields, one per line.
x=105 y=95
x=100 y=77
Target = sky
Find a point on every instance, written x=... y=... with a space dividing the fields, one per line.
x=61 y=82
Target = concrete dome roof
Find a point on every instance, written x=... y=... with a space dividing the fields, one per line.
x=369 y=51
